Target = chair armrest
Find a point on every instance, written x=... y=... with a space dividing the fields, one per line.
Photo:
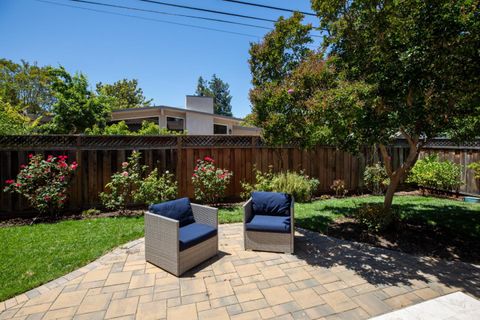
x=205 y=214
x=162 y=233
x=247 y=211
x=292 y=215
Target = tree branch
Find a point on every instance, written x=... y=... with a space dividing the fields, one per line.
x=386 y=159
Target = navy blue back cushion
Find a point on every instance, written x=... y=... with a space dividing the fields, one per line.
x=271 y=203
x=179 y=210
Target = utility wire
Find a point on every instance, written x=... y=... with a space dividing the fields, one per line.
x=149 y=19
x=270 y=7
x=170 y=14
x=208 y=10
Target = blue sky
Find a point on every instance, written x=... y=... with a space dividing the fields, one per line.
x=167 y=59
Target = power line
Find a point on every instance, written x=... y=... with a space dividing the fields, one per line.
x=149 y=19
x=270 y=7
x=208 y=10
x=170 y=14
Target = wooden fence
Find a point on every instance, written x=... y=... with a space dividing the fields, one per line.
x=100 y=156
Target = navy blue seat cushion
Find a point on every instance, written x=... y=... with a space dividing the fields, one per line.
x=271 y=203
x=195 y=233
x=179 y=210
x=269 y=223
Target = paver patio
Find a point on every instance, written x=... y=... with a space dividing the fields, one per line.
x=326 y=279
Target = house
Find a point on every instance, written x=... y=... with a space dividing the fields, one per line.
x=197 y=118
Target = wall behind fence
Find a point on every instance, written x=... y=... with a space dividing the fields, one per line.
x=100 y=156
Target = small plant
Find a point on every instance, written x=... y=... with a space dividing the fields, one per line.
x=44 y=182
x=263 y=182
x=299 y=185
x=475 y=166
x=430 y=172
x=339 y=187
x=210 y=182
x=375 y=217
x=325 y=197
x=156 y=189
x=120 y=191
x=376 y=178
x=90 y=213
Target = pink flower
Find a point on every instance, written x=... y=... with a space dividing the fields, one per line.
x=125 y=173
x=124 y=164
x=74 y=165
x=208 y=159
x=49 y=158
x=290 y=91
x=23 y=166
x=9 y=181
x=30 y=156
x=62 y=178
x=194 y=175
x=18 y=184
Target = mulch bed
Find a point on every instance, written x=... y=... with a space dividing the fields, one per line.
x=415 y=239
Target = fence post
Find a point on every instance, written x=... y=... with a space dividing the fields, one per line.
x=178 y=168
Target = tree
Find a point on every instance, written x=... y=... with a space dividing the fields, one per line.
x=27 y=86
x=76 y=107
x=219 y=91
x=384 y=68
x=418 y=61
x=276 y=104
x=13 y=121
x=123 y=94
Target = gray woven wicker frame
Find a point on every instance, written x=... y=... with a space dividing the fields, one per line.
x=268 y=241
x=162 y=247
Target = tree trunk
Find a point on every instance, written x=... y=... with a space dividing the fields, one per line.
x=397 y=175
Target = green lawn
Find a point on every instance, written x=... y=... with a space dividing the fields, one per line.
x=32 y=255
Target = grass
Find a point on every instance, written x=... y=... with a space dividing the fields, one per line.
x=33 y=255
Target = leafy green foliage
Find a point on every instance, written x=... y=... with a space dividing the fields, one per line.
x=12 y=120
x=375 y=217
x=376 y=178
x=432 y=173
x=219 y=91
x=156 y=189
x=121 y=128
x=299 y=185
x=76 y=108
x=475 y=166
x=210 y=182
x=27 y=86
x=44 y=183
x=123 y=94
x=121 y=189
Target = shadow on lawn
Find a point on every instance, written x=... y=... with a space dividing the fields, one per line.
x=447 y=229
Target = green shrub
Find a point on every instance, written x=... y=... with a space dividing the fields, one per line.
x=376 y=178
x=430 y=172
x=44 y=183
x=300 y=186
x=475 y=166
x=156 y=189
x=375 y=217
x=210 y=182
x=120 y=191
x=339 y=187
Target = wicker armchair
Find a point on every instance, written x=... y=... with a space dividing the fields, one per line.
x=269 y=238
x=172 y=247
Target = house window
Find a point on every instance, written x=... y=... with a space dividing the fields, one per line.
x=219 y=129
x=175 y=124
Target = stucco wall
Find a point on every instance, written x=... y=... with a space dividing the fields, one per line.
x=199 y=123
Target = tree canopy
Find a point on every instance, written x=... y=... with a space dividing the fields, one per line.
x=384 y=68
x=219 y=91
x=123 y=94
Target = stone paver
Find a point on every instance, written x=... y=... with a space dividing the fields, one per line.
x=326 y=279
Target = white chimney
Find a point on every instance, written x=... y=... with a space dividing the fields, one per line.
x=203 y=104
